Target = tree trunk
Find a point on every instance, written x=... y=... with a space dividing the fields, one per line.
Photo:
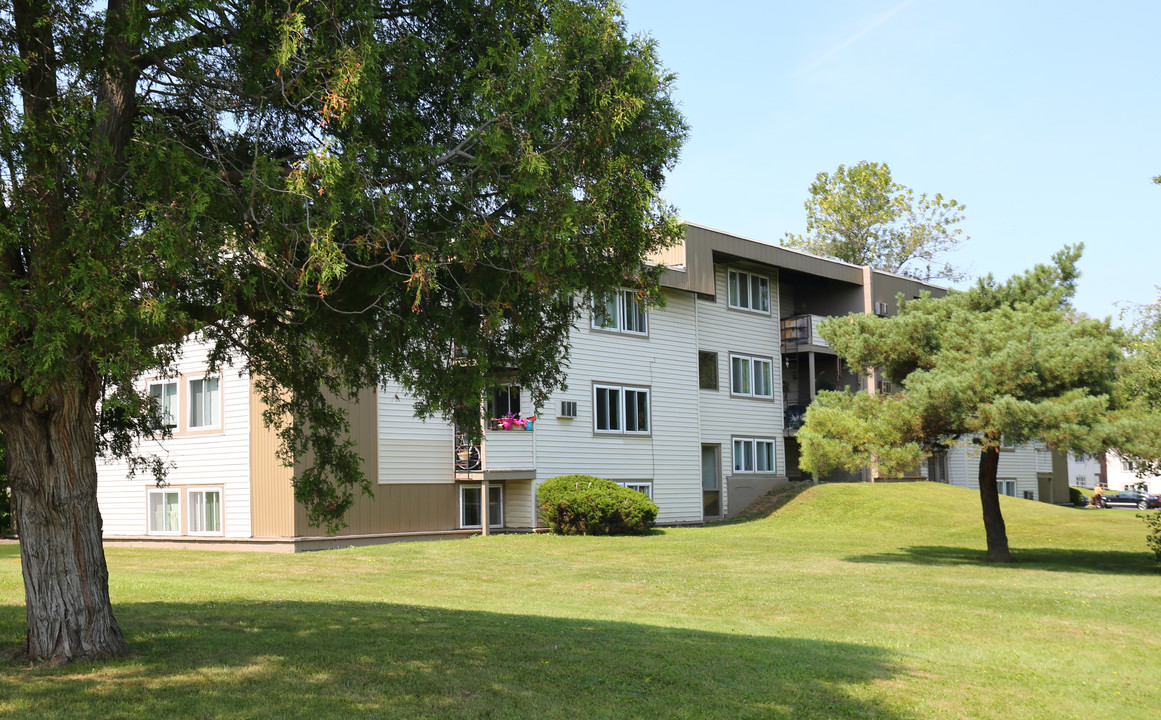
x=52 y=471
x=990 y=499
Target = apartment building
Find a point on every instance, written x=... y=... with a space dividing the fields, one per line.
x=696 y=403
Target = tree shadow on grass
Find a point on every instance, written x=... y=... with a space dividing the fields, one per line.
x=769 y=503
x=1111 y=562
x=341 y=660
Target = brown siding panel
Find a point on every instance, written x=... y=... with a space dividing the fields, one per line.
x=271 y=491
x=397 y=508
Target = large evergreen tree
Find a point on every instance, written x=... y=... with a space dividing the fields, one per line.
x=1001 y=362
x=330 y=193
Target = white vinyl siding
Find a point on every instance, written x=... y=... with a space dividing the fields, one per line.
x=219 y=457
x=412 y=450
x=666 y=367
x=1017 y=465
x=724 y=416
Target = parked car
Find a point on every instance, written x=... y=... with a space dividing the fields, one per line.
x=1132 y=498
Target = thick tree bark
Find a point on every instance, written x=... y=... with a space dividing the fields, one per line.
x=990 y=499
x=52 y=472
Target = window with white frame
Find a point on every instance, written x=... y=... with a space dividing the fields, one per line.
x=205 y=512
x=753 y=455
x=164 y=396
x=164 y=512
x=747 y=291
x=645 y=488
x=620 y=311
x=205 y=403
x=751 y=376
x=620 y=409
x=471 y=506
x=1006 y=487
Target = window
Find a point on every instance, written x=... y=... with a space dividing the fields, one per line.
x=205 y=512
x=504 y=400
x=711 y=483
x=1006 y=487
x=645 y=488
x=937 y=469
x=707 y=370
x=620 y=409
x=471 y=497
x=1082 y=481
x=164 y=394
x=748 y=292
x=752 y=455
x=205 y=403
x=751 y=376
x=620 y=312
x=164 y=512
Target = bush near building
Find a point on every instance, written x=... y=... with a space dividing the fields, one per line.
x=587 y=505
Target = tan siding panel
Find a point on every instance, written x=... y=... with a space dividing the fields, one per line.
x=271 y=488
x=399 y=507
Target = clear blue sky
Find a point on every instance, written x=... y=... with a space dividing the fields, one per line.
x=1043 y=118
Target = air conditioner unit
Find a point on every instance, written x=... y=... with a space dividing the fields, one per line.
x=881 y=308
x=567 y=409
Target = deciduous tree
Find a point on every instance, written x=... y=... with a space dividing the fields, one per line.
x=330 y=194
x=861 y=216
x=1001 y=362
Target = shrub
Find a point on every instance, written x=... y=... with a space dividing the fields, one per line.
x=1076 y=497
x=587 y=505
x=1153 y=534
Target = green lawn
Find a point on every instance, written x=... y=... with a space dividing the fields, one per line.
x=847 y=601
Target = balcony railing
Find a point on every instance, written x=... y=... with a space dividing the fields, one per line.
x=802 y=330
x=793 y=417
x=468 y=458
x=505 y=447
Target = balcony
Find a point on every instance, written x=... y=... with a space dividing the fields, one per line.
x=792 y=418
x=800 y=334
x=504 y=453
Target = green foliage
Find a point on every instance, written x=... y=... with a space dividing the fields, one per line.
x=1153 y=532
x=1002 y=360
x=862 y=216
x=1139 y=387
x=329 y=194
x=587 y=505
x=1077 y=497
x=5 y=494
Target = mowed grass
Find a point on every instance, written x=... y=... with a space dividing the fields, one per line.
x=840 y=601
